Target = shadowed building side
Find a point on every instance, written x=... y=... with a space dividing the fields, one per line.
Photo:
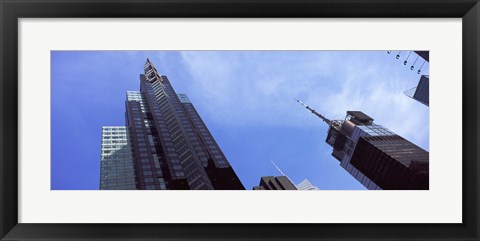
x=375 y=156
x=172 y=147
x=283 y=182
x=421 y=92
x=275 y=183
x=392 y=162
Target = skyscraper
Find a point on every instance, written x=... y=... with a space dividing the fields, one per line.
x=306 y=185
x=116 y=164
x=421 y=92
x=375 y=156
x=171 y=145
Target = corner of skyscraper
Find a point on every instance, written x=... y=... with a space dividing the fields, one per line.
x=164 y=145
x=377 y=157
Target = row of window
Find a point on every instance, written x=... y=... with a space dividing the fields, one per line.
x=113 y=168
x=111 y=179
x=119 y=176
x=120 y=152
x=114 y=147
x=116 y=158
x=114 y=128
x=115 y=137
x=118 y=184
x=108 y=141
x=115 y=187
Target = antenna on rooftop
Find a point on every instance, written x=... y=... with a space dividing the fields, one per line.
x=278 y=168
x=283 y=174
x=329 y=122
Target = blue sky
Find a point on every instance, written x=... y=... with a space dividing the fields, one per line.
x=246 y=99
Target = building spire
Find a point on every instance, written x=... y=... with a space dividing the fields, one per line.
x=279 y=170
x=329 y=122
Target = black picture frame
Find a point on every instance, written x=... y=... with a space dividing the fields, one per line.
x=12 y=10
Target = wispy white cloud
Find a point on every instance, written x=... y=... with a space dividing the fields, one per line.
x=239 y=88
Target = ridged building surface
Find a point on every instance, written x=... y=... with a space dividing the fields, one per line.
x=172 y=149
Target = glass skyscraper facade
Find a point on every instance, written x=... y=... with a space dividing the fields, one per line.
x=116 y=163
x=375 y=156
x=421 y=92
x=171 y=146
x=306 y=185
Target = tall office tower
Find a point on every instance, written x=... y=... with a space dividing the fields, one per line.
x=375 y=156
x=116 y=164
x=275 y=183
x=172 y=147
x=306 y=185
x=421 y=92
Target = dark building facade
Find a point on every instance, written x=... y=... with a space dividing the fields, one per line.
x=171 y=145
x=375 y=156
x=421 y=92
x=391 y=162
x=275 y=183
x=424 y=54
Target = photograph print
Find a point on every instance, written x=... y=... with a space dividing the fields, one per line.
x=240 y=120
